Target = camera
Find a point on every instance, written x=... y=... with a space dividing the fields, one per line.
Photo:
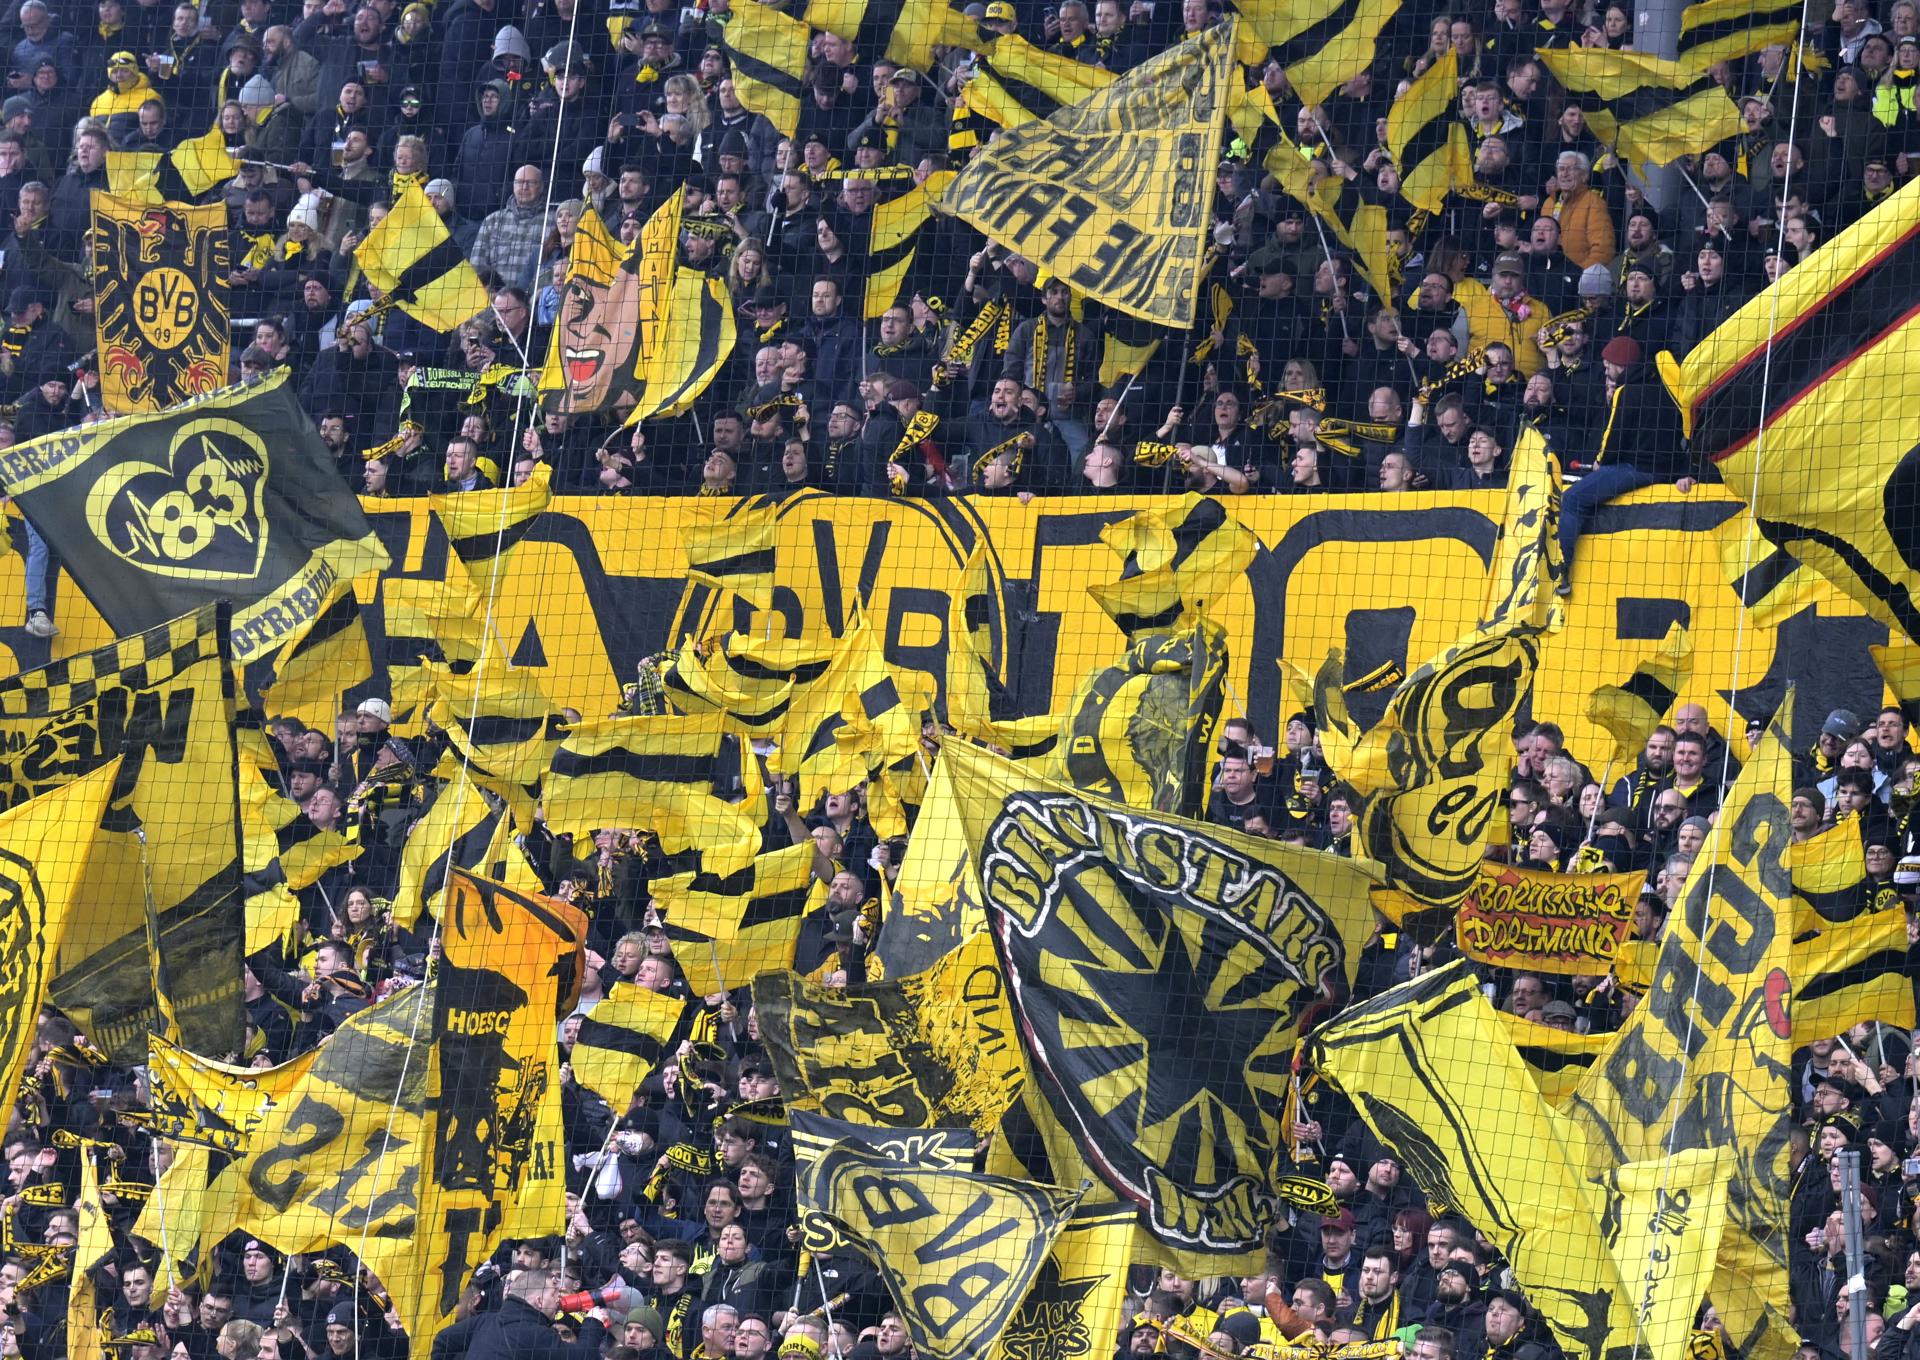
x=1911 y=1168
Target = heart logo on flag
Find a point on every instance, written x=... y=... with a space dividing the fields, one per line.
x=199 y=516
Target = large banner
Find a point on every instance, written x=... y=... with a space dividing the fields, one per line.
x=232 y=497
x=162 y=702
x=597 y=584
x=1156 y=925
x=1114 y=194
x=159 y=301
x=1547 y=923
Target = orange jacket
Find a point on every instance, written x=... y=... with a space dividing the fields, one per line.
x=1586 y=231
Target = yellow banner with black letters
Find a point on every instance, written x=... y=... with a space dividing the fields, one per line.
x=1546 y=923
x=1114 y=194
x=957 y=1251
x=159 y=301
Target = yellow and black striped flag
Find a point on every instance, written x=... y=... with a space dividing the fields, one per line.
x=735 y=553
x=974 y=679
x=750 y=679
x=417 y=266
x=897 y=225
x=1630 y=711
x=728 y=927
x=1851 y=956
x=1792 y=369
x=905 y=31
x=1726 y=30
x=1013 y=82
x=626 y=1037
x=484 y=527
x=1426 y=138
x=686 y=329
x=767 y=56
x=1657 y=110
x=501 y=730
x=284 y=852
x=1322 y=44
x=664 y=775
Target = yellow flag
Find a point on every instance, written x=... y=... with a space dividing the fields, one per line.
x=686 y=325
x=1434 y=770
x=958 y=1251
x=457 y=832
x=1429 y=1069
x=727 y=928
x=936 y=897
x=204 y=161
x=767 y=53
x=44 y=848
x=1426 y=138
x=1773 y=398
x=410 y=258
x=734 y=553
x=1556 y=1059
x=626 y=1037
x=1629 y=712
x=897 y=224
x=1115 y=927
x=494 y=1151
x=1714 y=1037
x=932 y=1049
x=1115 y=174
x=1080 y=1294
x=659 y=774
x=85 y=1337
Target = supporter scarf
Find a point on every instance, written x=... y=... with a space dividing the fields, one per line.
x=15 y=340
x=994 y=315
x=402 y=180
x=259 y=249
x=1103 y=47
x=1015 y=449
x=885 y=351
x=1043 y=345
x=1150 y=453
x=767 y=333
x=830 y=462
x=919 y=430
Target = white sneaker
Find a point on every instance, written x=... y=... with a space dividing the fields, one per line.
x=40 y=625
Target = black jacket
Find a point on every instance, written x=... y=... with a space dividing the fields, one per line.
x=1642 y=428
x=518 y=1332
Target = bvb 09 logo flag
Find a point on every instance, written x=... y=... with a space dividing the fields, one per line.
x=159 y=301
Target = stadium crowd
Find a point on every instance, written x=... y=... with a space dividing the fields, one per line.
x=1535 y=293
x=697 y=1256
x=1537 y=296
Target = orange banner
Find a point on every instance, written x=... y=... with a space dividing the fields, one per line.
x=1547 y=923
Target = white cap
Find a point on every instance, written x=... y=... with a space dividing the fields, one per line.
x=595 y=161
x=442 y=187
x=257 y=92
x=377 y=708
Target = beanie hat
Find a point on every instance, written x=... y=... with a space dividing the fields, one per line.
x=1623 y=350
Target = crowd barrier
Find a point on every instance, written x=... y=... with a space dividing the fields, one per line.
x=600 y=583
